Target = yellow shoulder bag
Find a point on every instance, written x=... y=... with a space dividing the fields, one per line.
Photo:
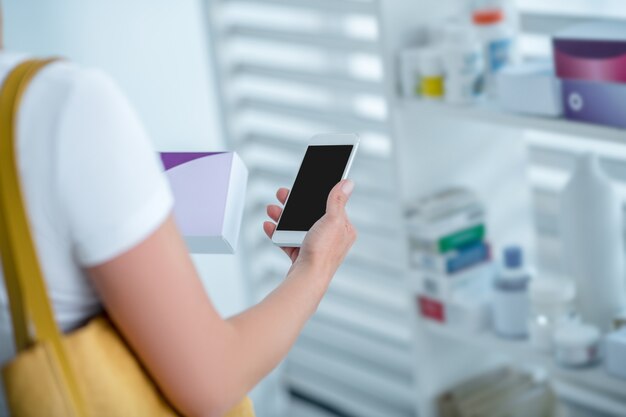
x=90 y=372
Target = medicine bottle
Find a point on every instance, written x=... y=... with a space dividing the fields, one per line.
x=510 y=296
x=431 y=72
x=464 y=64
x=498 y=39
x=410 y=72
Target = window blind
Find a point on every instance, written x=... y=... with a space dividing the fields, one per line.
x=288 y=69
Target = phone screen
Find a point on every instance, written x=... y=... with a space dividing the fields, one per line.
x=321 y=169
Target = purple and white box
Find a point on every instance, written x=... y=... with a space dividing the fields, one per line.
x=590 y=60
x=209 y=190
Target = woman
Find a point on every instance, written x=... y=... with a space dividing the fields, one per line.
x=100 y=211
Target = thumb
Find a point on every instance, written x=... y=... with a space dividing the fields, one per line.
x=339 y=196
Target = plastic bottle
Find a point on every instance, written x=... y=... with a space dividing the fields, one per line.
x=510 y=296
x=498 y=39
x=411 y=79
x=431 y=71
x=592 y=238
x=463 y=63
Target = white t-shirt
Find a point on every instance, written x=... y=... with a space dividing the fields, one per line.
x=92 y=182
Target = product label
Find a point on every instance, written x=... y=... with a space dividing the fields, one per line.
x=431 y=309
x=453 y=261
x=472 y=64
x=478 y=85
x=499 y=53
x=432 y=87
x=462 y=238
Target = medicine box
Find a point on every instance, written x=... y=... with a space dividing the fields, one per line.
x=594 y=102
x=209 y=190
x=530 y=88
x=594 y=51
x=453 y=261
x=445 y=285
x=467 y=309
x=446 y=221
x=590 y=60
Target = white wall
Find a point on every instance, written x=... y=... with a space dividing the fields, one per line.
x=157 y=50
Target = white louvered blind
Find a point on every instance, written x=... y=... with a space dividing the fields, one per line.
x=552 y=156
x=288 y=69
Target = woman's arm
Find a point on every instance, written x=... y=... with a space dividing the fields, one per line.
x=203 y=363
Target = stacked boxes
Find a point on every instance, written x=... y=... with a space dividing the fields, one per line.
x=590 y=60
x=450 y=257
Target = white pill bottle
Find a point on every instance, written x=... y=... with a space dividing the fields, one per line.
x=464 y=64
x=498 y=37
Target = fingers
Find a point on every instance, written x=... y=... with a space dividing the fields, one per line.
x=269 y=228
x=282 y=194
x=339 y=196
x=274 y=212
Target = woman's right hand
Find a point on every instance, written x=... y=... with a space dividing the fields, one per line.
x=331 y=237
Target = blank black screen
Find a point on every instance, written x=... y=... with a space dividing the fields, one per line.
x=321 y=169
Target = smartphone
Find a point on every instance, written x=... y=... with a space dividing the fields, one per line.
x=327 y=161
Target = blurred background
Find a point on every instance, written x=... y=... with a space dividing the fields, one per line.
x=488 y=277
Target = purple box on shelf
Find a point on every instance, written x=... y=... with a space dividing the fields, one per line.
x=590 y=60
x=594 y=51
x=593 y=102
x=209 y=190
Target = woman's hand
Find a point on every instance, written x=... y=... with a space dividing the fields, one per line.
x=329 y=240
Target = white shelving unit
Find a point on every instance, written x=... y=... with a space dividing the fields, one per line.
x=490 y=114
x=592 y=378
x=484 y=148
x=287 y=70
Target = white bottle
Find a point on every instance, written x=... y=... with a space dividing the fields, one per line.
x=410 y=64
x=592 y=241
x=498 y=39
x=463 y=64
x=510 y=296
x=431 y=73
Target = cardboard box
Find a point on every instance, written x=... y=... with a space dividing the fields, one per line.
x=454 y=261
x=594 y=102
x=209 y=190
x=468 y=309
x=590 y=60
x=443 y=286
x=594 y=51
x=530 y=88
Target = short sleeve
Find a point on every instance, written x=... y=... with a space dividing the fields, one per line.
x=111 y=182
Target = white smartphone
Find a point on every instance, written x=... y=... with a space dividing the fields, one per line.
x=327 y=161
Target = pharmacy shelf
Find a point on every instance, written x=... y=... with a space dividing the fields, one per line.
x=489 y=113
x=588 y=380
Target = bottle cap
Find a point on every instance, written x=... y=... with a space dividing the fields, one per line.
x=487 y=17
x=513 y=257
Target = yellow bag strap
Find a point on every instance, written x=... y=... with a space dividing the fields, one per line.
x=22 y=274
